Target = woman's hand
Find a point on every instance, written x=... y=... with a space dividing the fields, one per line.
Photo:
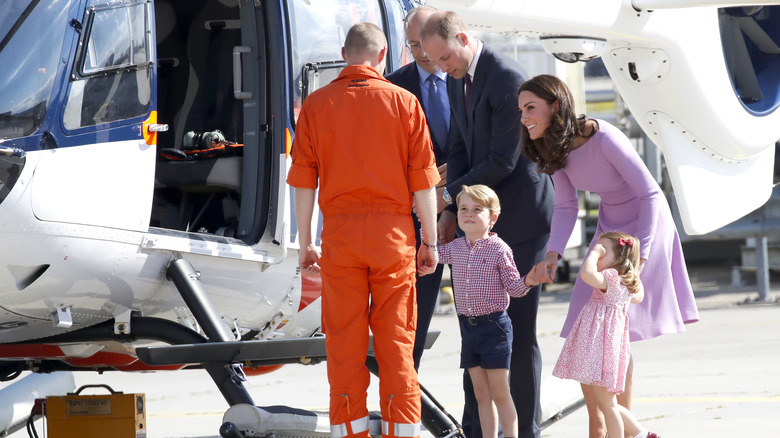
x=534 y=276
x=545 y=270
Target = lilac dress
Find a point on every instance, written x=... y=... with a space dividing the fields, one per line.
x=597 y=351
x=631 y=202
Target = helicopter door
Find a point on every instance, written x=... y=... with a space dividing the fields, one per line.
x=100 y=172
x=202 y=160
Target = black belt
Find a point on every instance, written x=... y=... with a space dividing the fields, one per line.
x=481 y=319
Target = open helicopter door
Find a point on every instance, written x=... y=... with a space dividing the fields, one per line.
x=216 y=88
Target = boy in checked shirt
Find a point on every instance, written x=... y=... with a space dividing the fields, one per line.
x=484 y=277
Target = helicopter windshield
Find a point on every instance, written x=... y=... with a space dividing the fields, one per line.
x=29 y=62
x=318 y=30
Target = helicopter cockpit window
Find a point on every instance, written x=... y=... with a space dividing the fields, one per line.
x=112 y=80
x=318 y=29
x=29 y=62
x=117 y=39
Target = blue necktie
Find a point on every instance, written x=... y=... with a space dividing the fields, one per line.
x=436 y=111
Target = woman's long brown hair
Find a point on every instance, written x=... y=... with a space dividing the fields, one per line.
x=550 y=151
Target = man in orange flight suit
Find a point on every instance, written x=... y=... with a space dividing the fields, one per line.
x=367 y=143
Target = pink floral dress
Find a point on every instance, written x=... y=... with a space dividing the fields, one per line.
x=597 y=351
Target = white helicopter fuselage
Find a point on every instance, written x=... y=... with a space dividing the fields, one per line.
x=99 y=200
x=94 y=213
x=671 y=66
x=86 y=248
x=98 y=197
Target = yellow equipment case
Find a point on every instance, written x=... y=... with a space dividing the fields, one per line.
x=116 y=415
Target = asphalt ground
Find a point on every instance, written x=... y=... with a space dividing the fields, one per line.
x=720 y=378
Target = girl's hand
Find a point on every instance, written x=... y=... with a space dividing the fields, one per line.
x=589 y=271
x=638 y=296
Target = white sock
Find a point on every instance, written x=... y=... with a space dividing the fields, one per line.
x=642 y=434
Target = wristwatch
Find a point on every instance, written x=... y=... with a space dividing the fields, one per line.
x=446 y=196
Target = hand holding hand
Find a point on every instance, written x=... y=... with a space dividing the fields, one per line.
x=546 y=269
x=427 y=259
x=535 y=276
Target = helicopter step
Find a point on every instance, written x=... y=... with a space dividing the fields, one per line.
x=243 y=421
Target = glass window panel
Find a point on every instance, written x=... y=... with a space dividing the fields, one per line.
x=318 y=30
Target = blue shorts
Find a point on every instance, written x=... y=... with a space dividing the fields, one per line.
x=486 y=341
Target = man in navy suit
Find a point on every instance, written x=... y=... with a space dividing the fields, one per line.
x=484 y=148
x=424 y=79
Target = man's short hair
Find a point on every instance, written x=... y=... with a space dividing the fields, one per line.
x=446 y=24
x=415 y=11
x=364 y=38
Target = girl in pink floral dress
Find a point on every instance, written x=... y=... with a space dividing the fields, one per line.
x=597 y=352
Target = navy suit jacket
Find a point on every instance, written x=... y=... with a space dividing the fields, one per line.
x=408 y=77
x=484 y=148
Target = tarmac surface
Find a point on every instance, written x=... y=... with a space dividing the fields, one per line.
x=717 y=379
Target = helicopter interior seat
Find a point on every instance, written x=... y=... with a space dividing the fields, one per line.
x=210 y=175
x=204 y=101
x=209 y=188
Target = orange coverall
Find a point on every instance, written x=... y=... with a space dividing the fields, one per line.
x=367 y=143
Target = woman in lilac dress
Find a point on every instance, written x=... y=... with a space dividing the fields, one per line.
x=592 y=155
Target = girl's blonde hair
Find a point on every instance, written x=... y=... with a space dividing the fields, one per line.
x=483 y=195
x=626 y=263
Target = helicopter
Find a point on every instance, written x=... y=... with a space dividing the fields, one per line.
x=144 y=146
x=699 y=76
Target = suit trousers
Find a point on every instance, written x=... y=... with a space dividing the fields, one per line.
x=525 y=373
x=427 y=296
